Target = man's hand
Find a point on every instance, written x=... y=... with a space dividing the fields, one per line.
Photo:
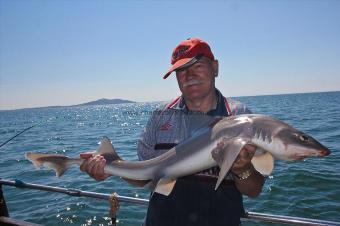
x=252 y=185
x=243 y=161
x=94 y=165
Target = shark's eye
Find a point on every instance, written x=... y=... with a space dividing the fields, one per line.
x=303 y=137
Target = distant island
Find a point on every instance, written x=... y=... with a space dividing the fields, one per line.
x=104 y=101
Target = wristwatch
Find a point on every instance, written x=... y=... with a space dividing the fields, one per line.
x=244 y=175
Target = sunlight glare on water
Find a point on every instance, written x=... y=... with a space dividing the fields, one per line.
x=303 y=189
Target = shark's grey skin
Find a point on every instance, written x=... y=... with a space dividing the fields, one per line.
x=219 y=143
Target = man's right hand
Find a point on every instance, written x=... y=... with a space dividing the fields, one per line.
x=94 y=165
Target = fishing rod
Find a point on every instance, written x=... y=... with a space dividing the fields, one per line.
x=249 y=215
x=28 y=128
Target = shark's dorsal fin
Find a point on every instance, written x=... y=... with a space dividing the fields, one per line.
x=165 y=186
x=225 y=154
x=263 y=163
x=105 y=146
x=107 y=150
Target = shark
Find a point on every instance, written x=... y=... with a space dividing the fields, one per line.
x=217 y=144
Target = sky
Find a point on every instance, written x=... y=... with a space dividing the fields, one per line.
x=66 y=52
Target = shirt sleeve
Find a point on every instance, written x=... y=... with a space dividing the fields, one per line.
x=147 y=140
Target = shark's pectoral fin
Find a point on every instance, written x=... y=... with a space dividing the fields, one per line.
x=225 y=154
x=263 y=163
x=165 y=186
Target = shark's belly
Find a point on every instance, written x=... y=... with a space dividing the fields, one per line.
x=195 y=162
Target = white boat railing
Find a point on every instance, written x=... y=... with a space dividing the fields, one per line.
x=249 y=215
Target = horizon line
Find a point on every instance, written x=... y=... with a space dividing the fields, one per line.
x=77 y=105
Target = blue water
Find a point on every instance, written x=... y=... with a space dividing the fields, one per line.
x=310 y=188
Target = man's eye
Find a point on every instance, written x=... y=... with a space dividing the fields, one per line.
x=180 y=72
x=198 y=65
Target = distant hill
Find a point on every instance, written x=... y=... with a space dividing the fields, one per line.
x=104 y=101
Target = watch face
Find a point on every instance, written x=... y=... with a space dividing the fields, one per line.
x=244 y=175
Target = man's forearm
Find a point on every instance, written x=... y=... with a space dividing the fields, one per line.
x=252 y=185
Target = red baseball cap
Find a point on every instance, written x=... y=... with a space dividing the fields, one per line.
x=186 y=51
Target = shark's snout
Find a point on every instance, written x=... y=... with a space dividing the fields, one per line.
x=325 y=152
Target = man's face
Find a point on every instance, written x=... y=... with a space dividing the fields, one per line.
x=198 y=80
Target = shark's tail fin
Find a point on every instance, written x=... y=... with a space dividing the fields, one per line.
x=107 y=150
x=59 y=163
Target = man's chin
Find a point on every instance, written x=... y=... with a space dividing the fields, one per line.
x=194 y=94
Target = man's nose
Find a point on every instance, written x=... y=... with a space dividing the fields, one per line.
x=189 y=72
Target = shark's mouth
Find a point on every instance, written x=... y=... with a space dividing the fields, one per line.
x=303 y=155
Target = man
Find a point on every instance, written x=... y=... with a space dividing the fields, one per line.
x=193 y=200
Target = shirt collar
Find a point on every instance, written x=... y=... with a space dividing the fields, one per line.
x=220 y=109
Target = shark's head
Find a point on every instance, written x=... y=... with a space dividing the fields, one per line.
x=299 y=145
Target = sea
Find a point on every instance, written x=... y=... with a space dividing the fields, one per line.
x=308 y=188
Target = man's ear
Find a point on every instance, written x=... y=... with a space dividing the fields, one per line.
x=215 y=68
